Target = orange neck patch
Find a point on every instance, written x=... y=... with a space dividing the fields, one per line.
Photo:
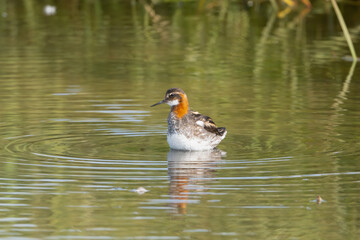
x=183 y=107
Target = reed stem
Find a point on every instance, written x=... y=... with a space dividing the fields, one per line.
x=345 y=29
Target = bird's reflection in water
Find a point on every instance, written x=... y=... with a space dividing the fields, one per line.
x=188 y=173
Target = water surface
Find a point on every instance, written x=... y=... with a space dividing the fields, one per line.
x=79 y=140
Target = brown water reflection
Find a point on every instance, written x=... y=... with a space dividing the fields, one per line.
x=78 y=135
x=189 y=171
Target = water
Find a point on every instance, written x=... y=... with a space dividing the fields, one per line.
x=83 y=155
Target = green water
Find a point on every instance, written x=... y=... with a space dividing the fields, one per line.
x=78 y=137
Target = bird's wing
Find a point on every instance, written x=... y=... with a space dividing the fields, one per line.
x=207 y=123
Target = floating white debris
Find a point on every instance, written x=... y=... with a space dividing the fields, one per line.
x=140 y=190
x=4 y=14
x=49 y=10
x=318 y=200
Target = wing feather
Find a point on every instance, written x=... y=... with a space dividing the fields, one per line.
x=207 y=123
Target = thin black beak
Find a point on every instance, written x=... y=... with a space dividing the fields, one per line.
x=162 y=101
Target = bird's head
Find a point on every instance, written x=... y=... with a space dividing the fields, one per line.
x=173 y=97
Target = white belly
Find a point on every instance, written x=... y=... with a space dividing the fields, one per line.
x=180 y=142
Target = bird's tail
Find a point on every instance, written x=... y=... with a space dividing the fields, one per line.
x=221 y=131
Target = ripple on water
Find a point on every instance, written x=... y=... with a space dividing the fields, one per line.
x=90 y=162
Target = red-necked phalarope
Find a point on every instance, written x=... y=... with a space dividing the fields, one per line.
x=189 y=130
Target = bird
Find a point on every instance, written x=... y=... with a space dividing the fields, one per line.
x=189 y=130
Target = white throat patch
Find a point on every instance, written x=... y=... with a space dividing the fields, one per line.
x=173 y=102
